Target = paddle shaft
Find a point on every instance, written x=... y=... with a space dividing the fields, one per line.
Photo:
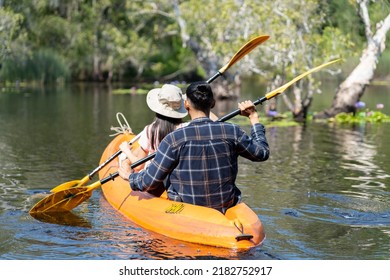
x=66 y=195
x=222 y=119
x=97 y=169
x=100 y=167
x=151 y=156
x=236 y=112
x=216 y=75
x=244 y=50
x=61 y=200
x=139 y=162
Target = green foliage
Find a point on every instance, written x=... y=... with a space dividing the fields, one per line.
x=142 y=40
x=44 y=66
x=9 y=26
x=362 y=117
x=342 y=15
x=130 y=91
x=52 y=32
x=326 y=41
x=286 y=120
x=383 y=68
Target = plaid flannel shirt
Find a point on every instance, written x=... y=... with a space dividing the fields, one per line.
x=199 y=162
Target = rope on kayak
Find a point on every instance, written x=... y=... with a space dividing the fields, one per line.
x=123 y=127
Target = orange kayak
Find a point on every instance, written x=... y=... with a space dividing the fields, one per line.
x=239 y=228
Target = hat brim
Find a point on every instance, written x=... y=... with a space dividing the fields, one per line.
x=157 y=107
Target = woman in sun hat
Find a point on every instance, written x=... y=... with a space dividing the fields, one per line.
x=168 y=104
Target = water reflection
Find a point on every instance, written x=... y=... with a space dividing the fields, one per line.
x=66 y=219
x=358 y=155
x=323 y=183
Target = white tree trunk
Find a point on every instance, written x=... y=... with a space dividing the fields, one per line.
x=352 y=89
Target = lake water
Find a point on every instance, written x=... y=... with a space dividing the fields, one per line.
x=323 y=194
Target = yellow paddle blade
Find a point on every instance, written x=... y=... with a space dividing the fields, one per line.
x=65 y=186
x=71 y=184
x=62 y=201
x=285 y=86
x=245 y=49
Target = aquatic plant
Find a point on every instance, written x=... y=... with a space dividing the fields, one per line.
x=362 y=117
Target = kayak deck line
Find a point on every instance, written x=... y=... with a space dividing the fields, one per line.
x=239 y=228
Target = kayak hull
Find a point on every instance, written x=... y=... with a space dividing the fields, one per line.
x=239 y=228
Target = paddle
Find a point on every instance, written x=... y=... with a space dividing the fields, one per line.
x=279 y=90
x=244 y=50
x=68 y=199
x=79 y=183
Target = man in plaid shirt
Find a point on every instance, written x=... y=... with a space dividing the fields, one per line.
x=197 y=164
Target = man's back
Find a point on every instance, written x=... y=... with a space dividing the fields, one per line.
x=202 y=161
x=198 y=163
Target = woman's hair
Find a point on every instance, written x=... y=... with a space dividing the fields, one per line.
x=161 y=126
x=201 y=96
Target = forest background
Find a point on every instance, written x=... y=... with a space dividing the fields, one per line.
x=53 y=41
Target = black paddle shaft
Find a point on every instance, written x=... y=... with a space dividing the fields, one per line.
x=238 y=111
x=141 y=161
x=109 y=177
x=216 y=75
x=151 y=156
x=223 y=119
x=97 y=169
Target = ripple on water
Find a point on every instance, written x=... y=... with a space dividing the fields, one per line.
x=346 y=209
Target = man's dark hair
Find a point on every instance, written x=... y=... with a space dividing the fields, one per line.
x=201 y=96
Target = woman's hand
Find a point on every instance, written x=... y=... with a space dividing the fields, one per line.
x=125 y=147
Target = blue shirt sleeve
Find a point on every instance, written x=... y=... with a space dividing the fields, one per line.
x=254 y=148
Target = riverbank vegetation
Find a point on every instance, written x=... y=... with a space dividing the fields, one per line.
x=114 y=40
x=146 y=41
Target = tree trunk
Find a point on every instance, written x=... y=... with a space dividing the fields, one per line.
x=352 y=89
x=209 y=61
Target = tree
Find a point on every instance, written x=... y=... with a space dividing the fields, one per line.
x=299 y=40
x=352 y=89
x=9 y=26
